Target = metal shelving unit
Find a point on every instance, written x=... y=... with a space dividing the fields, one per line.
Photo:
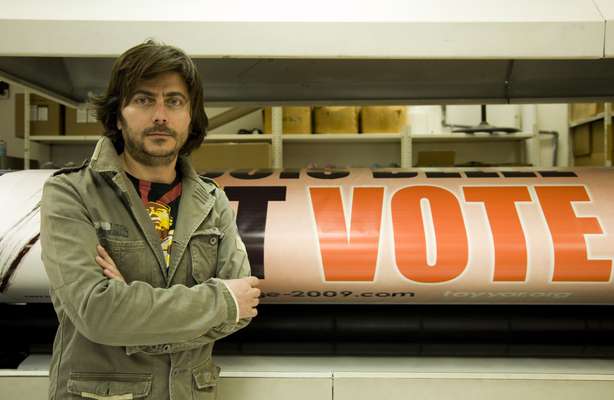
x=405 y=139
x=277 y=139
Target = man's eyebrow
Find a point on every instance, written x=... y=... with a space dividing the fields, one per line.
x=143 y=91
x=152 y=94
x=172 y=94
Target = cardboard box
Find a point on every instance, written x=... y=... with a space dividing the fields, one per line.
x=595 y=159
x=383 y=119
x=336 y=119
x=231 y=156
x=442 y=158
x=295 y=120
x=580 y=111
x=46 y=116
x=588 y=144
x=582 y=140
x=82 y=121
x=585 y=110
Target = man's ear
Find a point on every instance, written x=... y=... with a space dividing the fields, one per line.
x=118 y=124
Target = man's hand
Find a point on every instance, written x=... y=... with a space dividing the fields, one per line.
x=107 y=264
x=246 y=293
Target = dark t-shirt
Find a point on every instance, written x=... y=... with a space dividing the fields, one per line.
x=161 y=200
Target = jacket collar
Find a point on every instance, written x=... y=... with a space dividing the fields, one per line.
x=105 y=157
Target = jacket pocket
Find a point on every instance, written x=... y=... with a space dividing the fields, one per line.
x=204 y=251
x=129 y=256
x=103 y=386
x=205 y=381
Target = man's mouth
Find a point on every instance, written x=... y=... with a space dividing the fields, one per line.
x=165 y=134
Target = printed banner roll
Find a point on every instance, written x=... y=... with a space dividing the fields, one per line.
x=448 y=236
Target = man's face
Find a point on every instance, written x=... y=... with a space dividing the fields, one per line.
x=155 y=121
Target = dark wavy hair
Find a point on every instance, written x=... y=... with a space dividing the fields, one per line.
x=143 y=62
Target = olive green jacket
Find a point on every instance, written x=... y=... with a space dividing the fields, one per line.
x=149 y=338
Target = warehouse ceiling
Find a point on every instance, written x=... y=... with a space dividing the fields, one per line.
x=260 y=81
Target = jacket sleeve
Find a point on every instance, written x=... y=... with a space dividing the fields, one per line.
x=232 y=263
x=108 y=311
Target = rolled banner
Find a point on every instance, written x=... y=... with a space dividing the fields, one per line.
x=489 y=236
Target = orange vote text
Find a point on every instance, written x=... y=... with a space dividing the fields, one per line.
x=429 y=232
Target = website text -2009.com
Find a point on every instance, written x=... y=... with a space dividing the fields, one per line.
x=335 y=293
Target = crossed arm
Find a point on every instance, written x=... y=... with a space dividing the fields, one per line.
x=244 y=290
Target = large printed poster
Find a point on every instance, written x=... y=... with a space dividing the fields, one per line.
x=489 y=236
x=416 y=236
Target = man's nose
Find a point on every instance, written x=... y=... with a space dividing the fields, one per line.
x=160 y=115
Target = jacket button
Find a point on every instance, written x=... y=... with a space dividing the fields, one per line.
x=212 y=240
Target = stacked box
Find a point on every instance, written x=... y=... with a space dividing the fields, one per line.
x=231 y=156
x=585 y=110
x=82 y=121
x=383 y=119
x=588 y=144
x=582 y=141
x=336 y=119
x=46 y=116
x=440 y=158
x=295 y=120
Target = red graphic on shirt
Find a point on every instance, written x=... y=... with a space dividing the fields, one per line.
x=160 y=213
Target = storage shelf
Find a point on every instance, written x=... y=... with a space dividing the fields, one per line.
x=60 y=139
x=465 y=137
x=583 y=121
x=373 y=137
x=395 y=137
x=342 y=137
x=233 y=137
x=402 y=140
x=309 y=138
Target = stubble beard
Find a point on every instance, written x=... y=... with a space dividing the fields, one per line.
x=136 y=148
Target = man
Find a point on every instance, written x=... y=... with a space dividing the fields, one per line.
x=145 y=264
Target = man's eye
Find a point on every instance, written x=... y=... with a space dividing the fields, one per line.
x=175 y=102
x=142 y=100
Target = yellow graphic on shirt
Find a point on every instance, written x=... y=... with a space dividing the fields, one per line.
x=160 y=215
